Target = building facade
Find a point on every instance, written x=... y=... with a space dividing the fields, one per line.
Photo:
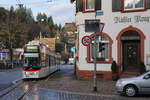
x=125 y=37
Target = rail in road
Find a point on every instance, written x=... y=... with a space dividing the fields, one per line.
x=31 y=90
x=20 y=89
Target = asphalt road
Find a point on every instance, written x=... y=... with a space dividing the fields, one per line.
x=7 y=77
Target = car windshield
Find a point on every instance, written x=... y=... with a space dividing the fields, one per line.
x=31 y=63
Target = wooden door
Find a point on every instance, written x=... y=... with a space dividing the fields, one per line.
x=131 y=55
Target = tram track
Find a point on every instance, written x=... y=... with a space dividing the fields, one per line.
x=31 y=84
x=13 y=93
x=22 y=86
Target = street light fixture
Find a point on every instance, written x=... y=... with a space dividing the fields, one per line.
x=40 y=31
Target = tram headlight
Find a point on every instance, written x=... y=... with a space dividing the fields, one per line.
x=35 y=73
x=25 y=73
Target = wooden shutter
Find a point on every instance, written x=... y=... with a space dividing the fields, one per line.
x=98 y=5
x=116 y=5
x=79 y=5
x=148 y=4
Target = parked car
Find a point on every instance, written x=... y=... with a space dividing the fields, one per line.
x=135 y=85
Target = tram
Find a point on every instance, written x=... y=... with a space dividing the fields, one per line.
x=39 y=61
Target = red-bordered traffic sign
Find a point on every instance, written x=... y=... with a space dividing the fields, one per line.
x=86 y=40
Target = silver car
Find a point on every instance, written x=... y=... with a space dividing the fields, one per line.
x=135 y=85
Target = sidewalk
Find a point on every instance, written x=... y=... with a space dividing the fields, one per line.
x=65 y=80
x=66 y=84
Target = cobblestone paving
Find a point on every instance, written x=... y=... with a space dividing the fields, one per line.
x=63 y=85
x=46 y=94
x=65 y=80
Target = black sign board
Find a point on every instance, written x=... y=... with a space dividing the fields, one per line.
x=92 y=25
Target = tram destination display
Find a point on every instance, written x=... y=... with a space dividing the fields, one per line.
x=31 y=49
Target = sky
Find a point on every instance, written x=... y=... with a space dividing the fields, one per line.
x=62 y=11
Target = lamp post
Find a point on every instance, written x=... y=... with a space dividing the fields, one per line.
x=40 y=31
x=95 y=83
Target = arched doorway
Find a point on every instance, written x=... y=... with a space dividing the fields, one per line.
x=128 y=38
x=130 y=41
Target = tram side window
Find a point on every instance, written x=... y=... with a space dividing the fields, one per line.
x=56 y=61
x=49 y=60
x=52 y=61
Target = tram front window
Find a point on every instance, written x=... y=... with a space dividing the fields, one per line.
x=31 y=63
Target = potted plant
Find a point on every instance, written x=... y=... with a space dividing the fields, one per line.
x=142 y=68
x=114 y=69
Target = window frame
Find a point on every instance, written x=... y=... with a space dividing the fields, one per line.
x=101 y=41
x=90 y=10
x=133 y=9
x=110 y=41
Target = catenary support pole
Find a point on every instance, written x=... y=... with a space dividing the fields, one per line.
x=95 y=83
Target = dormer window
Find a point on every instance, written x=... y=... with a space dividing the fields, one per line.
x=89 y=5
x=133 y=5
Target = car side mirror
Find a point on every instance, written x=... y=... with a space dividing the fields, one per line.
x=146 y=77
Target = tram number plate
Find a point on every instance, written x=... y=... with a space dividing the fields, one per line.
x=31 y=73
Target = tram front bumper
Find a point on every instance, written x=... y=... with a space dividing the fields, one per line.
x=30 y=74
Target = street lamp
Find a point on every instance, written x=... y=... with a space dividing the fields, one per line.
x=40 y=31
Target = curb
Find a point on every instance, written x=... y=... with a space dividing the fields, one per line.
x=101 y=96
x=80 y=93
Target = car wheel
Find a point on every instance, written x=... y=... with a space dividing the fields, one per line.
x=130 y=90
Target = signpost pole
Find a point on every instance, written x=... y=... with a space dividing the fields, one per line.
x=86 y=41
x=95 y=83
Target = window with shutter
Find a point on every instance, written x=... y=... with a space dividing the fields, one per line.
x=116 y=5
x=79 y=5
x=89 y=5
x=148 y=4
x=134 y=5
x=98 y=4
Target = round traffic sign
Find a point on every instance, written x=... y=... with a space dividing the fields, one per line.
x=86 y=40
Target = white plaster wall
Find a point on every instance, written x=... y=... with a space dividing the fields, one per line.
x=112 y=29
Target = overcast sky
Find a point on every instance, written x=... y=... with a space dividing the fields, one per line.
x=61 y=10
